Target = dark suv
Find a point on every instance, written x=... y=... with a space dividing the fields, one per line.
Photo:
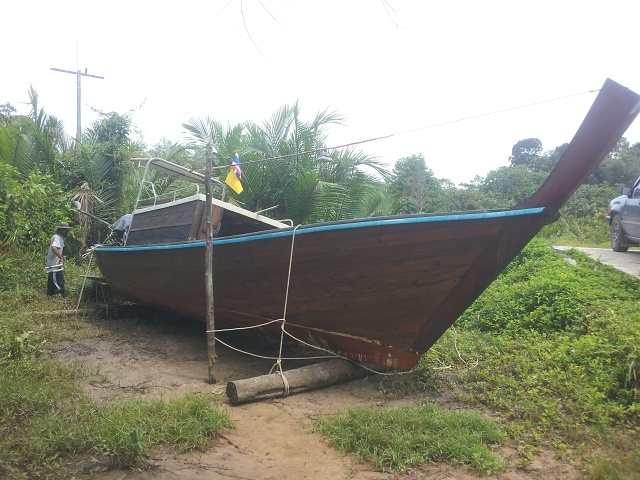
x=623 y=216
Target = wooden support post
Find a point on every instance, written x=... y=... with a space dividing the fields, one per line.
x=208 y=270
x=298 y=380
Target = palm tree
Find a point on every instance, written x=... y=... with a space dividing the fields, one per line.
x=34 y=142
x=306 y=189
x=281 y=167
x=14 y=141
x=100 y=176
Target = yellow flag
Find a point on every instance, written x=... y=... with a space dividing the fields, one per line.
x=234 y=182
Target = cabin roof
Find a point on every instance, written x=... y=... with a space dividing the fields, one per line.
x=170 y=168
x=231 y=210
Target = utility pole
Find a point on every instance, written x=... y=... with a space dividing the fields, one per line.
x=78 y=75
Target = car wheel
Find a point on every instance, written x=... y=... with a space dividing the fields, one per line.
x=617 y=236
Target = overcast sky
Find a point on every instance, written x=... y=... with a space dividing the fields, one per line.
x=388 y=66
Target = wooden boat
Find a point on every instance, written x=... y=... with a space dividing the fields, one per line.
x=379 y=290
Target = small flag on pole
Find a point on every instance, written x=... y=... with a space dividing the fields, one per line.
x=234 y=175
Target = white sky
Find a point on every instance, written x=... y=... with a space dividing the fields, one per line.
x=388 y=66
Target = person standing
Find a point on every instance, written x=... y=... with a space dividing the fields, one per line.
x=55 y=260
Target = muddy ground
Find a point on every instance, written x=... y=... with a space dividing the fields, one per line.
x=145 y=353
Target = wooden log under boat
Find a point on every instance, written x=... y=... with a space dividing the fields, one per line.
x=298 y=380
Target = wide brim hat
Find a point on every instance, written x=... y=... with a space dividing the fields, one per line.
x=63 y=225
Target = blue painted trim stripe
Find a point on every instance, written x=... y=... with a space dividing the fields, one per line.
x=328 y=227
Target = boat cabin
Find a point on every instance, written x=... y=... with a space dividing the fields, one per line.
x=180 y=215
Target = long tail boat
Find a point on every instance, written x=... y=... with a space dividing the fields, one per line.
x=379 y=290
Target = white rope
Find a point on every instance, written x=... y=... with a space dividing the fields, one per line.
x=231 y=347
x=216 y=330
x=279 y=358
x=286 y=296
x=278 y=363
x=335 y=355
x=455 y=344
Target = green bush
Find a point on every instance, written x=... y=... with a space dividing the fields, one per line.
x=543 y=292
x=575 y=231
x=30 y=208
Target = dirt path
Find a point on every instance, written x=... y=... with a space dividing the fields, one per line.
x=273 y=440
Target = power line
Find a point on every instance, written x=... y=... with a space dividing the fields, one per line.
x=434 y=125
x=495 y=112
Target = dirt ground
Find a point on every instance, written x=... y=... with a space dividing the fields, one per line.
x=148 y=356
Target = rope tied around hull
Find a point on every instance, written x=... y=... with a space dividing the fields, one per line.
x=278 y=363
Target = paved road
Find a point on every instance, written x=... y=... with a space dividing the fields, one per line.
x=628 y=262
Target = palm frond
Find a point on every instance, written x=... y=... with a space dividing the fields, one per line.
x=326 y=118
x=300 y=197
x=201 y=130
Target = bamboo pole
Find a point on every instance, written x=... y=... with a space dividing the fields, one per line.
x=208 y=273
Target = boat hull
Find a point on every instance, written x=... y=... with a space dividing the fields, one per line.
x=374 y=291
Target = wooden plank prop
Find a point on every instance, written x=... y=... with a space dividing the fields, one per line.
x=295 y=381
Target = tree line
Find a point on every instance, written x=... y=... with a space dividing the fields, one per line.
x=42 y=170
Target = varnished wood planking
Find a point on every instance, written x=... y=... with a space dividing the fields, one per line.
x=387 y=277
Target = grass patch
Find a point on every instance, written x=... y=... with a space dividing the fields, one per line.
x=127 y=427
x=404 y=437
x=47 y=422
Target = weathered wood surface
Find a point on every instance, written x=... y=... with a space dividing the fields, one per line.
x=208 y=271
x=171 y=223
x=298 y=380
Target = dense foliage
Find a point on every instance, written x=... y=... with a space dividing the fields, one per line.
x=301 y=181
x=554 y=344
x=573 y=311
x=30 y=207
x=287 y=170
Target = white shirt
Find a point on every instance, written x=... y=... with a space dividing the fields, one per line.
x=52 y=258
